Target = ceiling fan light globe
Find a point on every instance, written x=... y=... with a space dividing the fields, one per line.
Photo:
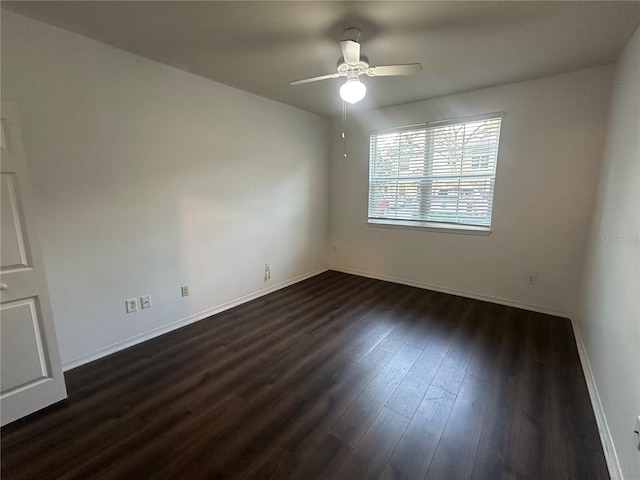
x=353 y=91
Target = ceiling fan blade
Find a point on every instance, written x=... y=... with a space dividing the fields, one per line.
x=350 y=51
x=315 y=79
x=391 y=70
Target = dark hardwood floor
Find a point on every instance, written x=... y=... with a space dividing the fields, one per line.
x=336 y=377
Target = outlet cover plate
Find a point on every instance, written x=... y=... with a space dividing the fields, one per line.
x=132 y=305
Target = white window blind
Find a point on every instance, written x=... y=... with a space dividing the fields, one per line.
x=441 y=174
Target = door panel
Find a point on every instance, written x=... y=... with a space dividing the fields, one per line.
x=23 y=354
x=30 y=363
x=14 y=250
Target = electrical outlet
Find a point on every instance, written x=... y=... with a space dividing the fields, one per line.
x=184 y=290
x=132 y=305
x=335 y=249
x=267 y=271
x=532 y=278
x=636 y=432
x=145 y=302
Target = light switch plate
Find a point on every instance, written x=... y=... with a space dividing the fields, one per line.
x=145 y=302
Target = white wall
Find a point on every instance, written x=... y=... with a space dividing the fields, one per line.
x=610 y=309
x=550 y=150
x=147 y=178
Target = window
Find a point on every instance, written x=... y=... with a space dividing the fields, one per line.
x=435 y=175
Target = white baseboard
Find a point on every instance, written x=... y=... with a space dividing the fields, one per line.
x=613 y=464
x=129 y=342
x=453 y=291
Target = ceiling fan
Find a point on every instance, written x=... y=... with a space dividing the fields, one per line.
x=352 y=64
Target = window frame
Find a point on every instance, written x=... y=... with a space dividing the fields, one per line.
x=446 y=227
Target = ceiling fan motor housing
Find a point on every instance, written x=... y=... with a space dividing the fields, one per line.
x=352 y=33
x=346 y=70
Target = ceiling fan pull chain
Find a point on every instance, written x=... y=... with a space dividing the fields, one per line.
x=344 y=129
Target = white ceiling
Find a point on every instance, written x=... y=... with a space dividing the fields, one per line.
x=261 y=46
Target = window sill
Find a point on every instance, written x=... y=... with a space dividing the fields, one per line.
x=431 y=226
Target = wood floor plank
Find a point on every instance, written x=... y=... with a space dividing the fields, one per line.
x=410 y=320
x=569 y=403
x=395 y=339
x=497 y=454
x=448 y=379
x=414 y=386
x=455 y=455
x=414 y=452
x=380 y=323
x=485 y=352
x=432 y=313
x=356 y=419
x=533 y=447
x=469 y=322
x=336 y=399
x=335 y=377
x=236 y=444
x=370 y=456
x=328 y=456
x=285 y=436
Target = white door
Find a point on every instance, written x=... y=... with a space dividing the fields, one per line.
x=31 y=374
